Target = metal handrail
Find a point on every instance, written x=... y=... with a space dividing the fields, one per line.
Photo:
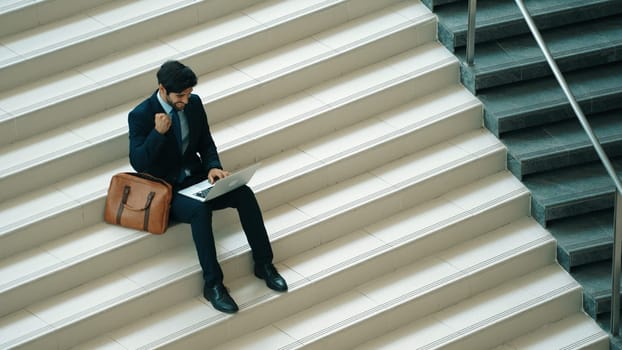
x=617 y=240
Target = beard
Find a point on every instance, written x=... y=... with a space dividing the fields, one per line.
x=179 y=106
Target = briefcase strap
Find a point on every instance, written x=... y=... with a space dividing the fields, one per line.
x=126 y=193
x=147 y=209
x=123 y=204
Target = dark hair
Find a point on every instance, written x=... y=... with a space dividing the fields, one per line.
x=176 y=77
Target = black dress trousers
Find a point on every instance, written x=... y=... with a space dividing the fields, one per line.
x=199 y=216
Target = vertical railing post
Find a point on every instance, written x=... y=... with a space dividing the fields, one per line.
x=615 y=265
x=470 y=44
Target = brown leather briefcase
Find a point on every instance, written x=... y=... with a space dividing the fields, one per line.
x=139 y=201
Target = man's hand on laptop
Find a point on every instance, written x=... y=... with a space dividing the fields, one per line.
x=216 y=174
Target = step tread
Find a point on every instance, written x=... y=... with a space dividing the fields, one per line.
x=562 y=144
x=561 y=186
x=85 y=26
x=519 y=58
x=58 y=197
x=319 y=153
x=315 y=265
x=502 y=18
x=307 y=209
x=179 y=262
x=455 y=322
x=22 y=15
x=573 y=332
x=110 y=127
x=542 y=101
x=144 y=59
x=114 y=121
x=13 y=211
x=583 y=239
x=595 y=278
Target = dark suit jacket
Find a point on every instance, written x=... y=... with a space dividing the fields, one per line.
x=159 y=155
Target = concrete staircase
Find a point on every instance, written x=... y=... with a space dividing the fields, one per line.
x=390 y=209
x=547 y=148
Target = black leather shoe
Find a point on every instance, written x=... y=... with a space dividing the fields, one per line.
x=220 y=298
x=268 y=273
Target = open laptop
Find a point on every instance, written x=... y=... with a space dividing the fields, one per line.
x=204 y=190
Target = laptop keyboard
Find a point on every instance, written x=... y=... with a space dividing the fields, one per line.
x=203 y=193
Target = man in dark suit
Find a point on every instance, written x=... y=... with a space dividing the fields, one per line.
x=170 y=139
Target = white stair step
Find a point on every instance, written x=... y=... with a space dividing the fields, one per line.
x=332 y=157
x=577 y=331
x=372 y=196
x=80 y=199
x=51 y=212
x=77 y=258
x=49 y=157
x=127 y=294
x=283 y=188
x=104 y=136
x=129 y=74
x=303 y=215
x=334 y=104
x=536 y=299
x=21 y=15
x=328 y=270
x=95 y=190
x=404 y=291
x=96 y=32
x=321 y=57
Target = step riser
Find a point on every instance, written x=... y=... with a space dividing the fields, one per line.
x=70 y=216
x=344 y=280
x=466 y=121
x=561 y=306
x=600 y=199
x=87 y=157
x=562 y=111
x=45 y=228
x=26 y=15
x=245 y=152
x=367 y=161
x=110 y=39
x=367 y=213
x=71 y=274
x=305 y=128
x=516 y=25
x=539 y=69
x=341 y=169
x=520 y=168
x=34 y=119
x=292 y=240
x=240 y=99
x=429 y=301
x=431 y=3
x=185 y=286
x=68 y=336
x=14 y=240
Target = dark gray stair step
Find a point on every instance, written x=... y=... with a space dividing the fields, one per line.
x=501 y=18
x=519 y=58
x=431 y=4
x=596 y=282
x=562 y=144
x=583 y=239
x=575 y=190
x=542 y=101
x=604 y=321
